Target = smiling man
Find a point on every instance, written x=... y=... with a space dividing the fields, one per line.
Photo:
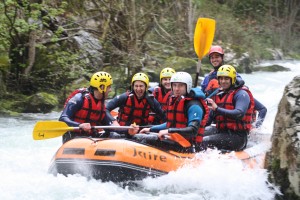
x=232 y=111
x=187 y=114
x=162 y=92
x=135 y=105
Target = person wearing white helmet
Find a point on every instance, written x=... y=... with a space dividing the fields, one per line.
x=85 y=108
x=187 y=114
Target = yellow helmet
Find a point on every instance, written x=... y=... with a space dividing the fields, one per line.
x=140 y=77
x=166 y=73
x=99 y=79
x=228 y=71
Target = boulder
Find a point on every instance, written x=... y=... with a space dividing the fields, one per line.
x=283 y=159
x=41 y=102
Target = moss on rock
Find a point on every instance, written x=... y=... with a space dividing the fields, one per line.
x=271 y=68
x=38 y=103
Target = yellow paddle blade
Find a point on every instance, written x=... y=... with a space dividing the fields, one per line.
x=50 y=129
x=204 y=36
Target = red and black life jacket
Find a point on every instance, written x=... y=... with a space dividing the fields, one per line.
x=226 y=123
x=176 y=115
x=162 y=99
x=80 y=90
x=135 y=111
x=92 y=111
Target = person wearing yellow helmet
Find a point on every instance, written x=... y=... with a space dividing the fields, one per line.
x=85 y=107
x=135 y=105
x=232 y=111
x=162 y=92
x=210 y=86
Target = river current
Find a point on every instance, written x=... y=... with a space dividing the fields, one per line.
x=24 y=162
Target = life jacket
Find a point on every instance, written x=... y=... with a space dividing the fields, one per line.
x=226 y=123
x=134 y=111
x=176 y=117
x=213 y=84
x=162 y=99
x=92 y=111
x=80 y=90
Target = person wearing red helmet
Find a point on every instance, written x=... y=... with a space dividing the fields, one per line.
x=216 y=58
x=210 y=83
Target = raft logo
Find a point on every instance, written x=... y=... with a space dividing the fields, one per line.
x=41 y=135
x=148 y=155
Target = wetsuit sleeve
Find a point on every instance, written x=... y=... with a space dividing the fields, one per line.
x=238 y=77
x=194 y=115
x=262 y=112
x=242 y=100
x=159 y=127
x=239 y=81
x=107 y=120
x=116 y=102
x=204 y=83
x=211 y=118
x=72 y=107
x=156 y=107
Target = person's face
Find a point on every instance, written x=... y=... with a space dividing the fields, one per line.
x=179 y=89
x=165 y=82
x=224 y=82
x=216 y=59
x=139 y=88
x=99 y=95
x=108 y=90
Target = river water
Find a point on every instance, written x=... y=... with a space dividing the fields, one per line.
x=24 y=162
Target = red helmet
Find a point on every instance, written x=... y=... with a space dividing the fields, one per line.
x=216 y=49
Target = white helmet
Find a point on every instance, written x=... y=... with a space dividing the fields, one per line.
x=183 y=77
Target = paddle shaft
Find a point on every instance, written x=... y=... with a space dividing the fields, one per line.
x=213 y=93
x=112 y=127
x=197 y=72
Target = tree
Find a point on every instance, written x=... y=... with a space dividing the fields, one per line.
x=284 y=19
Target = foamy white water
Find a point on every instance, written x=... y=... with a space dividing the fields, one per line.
x=24 y=162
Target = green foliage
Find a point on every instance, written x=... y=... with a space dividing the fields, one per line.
x=4 y=62
x=249 y=9
x=144 y=35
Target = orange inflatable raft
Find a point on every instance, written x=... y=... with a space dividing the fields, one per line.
x=120 y=160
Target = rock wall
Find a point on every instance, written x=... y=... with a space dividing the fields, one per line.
x=283 y=160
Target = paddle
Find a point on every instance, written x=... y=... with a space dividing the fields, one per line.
x=179 y=139
x=51 y=129
x=213 y=93
x=203 y=38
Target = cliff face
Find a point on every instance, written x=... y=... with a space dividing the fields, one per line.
x=283 y=159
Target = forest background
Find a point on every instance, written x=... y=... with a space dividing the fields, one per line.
x=50 y=47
